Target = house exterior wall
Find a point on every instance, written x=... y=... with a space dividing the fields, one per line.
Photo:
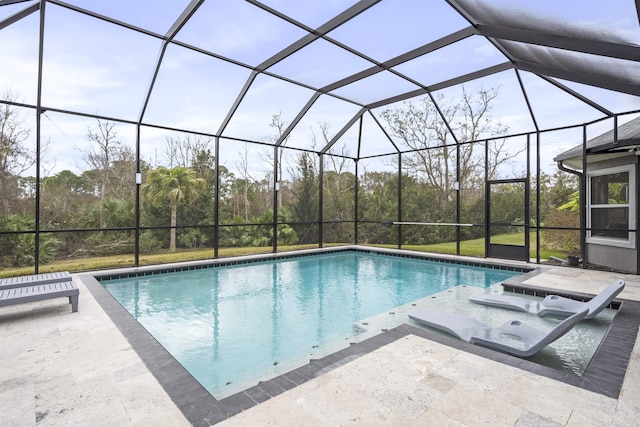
x=625 y=259
x=613 y=257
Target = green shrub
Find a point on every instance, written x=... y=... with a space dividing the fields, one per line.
x=19 y=249
x=149 y=243
x=562 y=240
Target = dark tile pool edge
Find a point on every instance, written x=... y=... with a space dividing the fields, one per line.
x=187 y=393
x=250 y=259
x=609 y=365
x=198 y=406
x=604 y=375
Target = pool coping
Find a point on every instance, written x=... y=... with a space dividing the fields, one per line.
x=119 y=273
x=604 y=375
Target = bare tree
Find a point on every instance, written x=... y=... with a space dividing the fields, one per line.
x=338 y=186
x=245 y=183
x=424 y=130
x=15 y=157
x=280 y=126
x=122 y=173
x=99 y=156
x=184 y=150
x=338 y=156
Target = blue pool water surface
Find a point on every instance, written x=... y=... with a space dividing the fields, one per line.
x=232 y=326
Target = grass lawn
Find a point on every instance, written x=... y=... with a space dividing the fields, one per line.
x=476 y=247
x=468 y=247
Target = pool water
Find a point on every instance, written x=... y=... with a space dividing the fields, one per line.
x=232 y=326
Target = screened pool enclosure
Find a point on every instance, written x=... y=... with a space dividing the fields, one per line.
x=142 y=132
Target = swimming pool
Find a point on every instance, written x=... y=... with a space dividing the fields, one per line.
x=234 y=325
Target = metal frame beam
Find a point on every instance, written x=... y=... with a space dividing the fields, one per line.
x=405 y=57
x=328 y=26
x=500 y=36
x=577 y=95
x=8 y=2
x=342 y=131
x=557 y=41
x=236 y=103
x=445 y=84
x=104 y=18
x=186 y=14
x=39 y=111
x=297 y=119
x=580 y=77
x=526 y=99
x=12 y=19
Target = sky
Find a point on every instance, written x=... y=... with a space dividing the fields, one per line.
x=94 y=67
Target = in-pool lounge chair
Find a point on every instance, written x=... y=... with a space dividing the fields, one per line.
x=514 y=337
x=553 y=305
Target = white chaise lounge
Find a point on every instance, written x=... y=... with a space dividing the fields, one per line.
x=513 y=337
x=553 y=305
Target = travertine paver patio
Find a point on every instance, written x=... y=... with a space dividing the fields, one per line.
x=63 y=368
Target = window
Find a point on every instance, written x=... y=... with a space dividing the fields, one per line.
x=611 y=206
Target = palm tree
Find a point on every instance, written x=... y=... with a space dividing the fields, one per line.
x=175 y=185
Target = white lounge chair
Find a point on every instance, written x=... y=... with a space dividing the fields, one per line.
x=513 y=337
x=553 y=305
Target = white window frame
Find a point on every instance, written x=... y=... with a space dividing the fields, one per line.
x=630 y=241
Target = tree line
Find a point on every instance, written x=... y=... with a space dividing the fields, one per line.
x=94 y=212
